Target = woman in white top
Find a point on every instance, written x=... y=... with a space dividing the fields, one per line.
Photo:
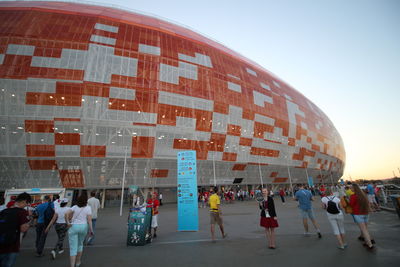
x=79 y=218
x=61 y=226
x=331 y=204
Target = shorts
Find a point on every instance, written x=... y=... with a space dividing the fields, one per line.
x=307 y=214
x=360 y=218
x=337 y=223
x=215 y=218
x=154 y=221
x=372 y=199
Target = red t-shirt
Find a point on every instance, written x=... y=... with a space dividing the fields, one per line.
x=23 y=217
x=153 y=203
x=355 y=205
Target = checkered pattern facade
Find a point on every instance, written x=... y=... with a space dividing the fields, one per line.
x=82 y=86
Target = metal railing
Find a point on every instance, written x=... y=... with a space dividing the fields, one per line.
x=384 y=198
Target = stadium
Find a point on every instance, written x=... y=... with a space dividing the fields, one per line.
x=84 y=87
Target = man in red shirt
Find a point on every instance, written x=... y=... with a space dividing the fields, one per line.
x=155 y=203
x=20 y=219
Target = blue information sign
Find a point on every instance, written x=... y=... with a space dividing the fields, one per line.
x=188 y=217
x=310 y=181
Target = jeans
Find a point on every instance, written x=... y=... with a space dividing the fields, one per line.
x=40 y=237
x=91 y=238
x=8 y=259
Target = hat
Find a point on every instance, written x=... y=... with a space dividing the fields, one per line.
x=64 y=200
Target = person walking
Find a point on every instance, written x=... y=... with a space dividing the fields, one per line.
x=94 y=204
x=215 y=213
x=13 y=222
x=331 y=204
x=304 y=197
x=282 y=195
x=45 y=212
x=160 y=196
x=79 y=220
x=61 y=227
x=360 y=206
x=268 y=218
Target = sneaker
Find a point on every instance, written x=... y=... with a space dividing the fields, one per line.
x=224 y=235
x=345 y=245
x=53 y=254
x=61 y=251
x=39 y=255
x=319 y=234
x=155 y=235
x=307 y=233
x=341 y=247
x=361 y=238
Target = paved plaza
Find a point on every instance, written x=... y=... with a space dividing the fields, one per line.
x=245 y=245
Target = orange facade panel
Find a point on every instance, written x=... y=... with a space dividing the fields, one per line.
x=264 y=152
x=280 y=180
x=40 y=150
x=245 y=141
x=229 y=156
x=67 y=139
x=39 y=164
x=39 y=126
x=234 y=130
x=239 y=167
x=157 y=173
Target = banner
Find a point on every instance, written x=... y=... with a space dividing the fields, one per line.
x=188 y=217
x=310 y=181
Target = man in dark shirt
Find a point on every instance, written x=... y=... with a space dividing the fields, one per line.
x=8 y=253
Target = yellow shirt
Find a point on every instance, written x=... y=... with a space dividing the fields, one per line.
x=349 y=192
x=214 y=201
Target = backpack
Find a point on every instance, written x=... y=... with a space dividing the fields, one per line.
x=9 y=228
x=332 y=207
x=48 y=214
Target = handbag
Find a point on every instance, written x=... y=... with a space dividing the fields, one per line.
x=345 y=204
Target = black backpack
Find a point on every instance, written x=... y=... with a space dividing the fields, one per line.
x=9 y=227
x=332 y=207
x=48 y=214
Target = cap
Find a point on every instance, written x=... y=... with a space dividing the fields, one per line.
x=64 y=200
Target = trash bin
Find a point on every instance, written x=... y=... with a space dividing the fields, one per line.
x=139 y=226
x=396 y=203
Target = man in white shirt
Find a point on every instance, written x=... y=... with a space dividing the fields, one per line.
x=94 y=204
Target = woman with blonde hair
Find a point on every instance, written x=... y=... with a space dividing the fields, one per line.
x=360 y=206
x=331 y=204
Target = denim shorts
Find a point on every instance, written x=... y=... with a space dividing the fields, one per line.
x=307 y=214
x=360 y=218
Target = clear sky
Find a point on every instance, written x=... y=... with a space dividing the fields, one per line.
x=344 y=55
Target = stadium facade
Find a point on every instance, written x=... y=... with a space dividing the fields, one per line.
x=83 y=86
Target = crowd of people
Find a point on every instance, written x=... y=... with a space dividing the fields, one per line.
x=336 y=200
x=79 y=221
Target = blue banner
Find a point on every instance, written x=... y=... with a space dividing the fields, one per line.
x=310 y=181
x=188 y=217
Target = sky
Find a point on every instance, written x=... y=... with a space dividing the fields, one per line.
x=343 y=55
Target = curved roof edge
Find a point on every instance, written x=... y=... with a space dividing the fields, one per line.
x=124 y=15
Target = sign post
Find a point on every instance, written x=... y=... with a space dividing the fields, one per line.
x=188 y=217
